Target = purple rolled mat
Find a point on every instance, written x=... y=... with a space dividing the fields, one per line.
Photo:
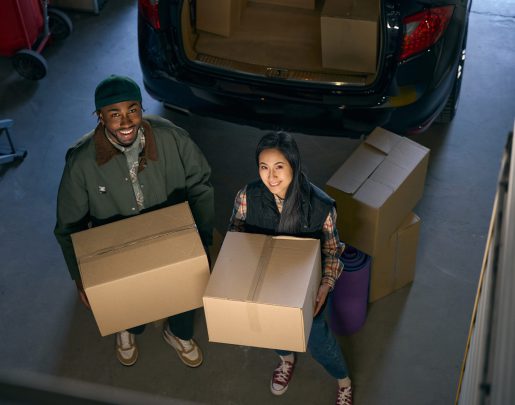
x=348 y=307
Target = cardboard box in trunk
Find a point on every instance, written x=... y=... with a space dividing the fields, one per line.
x=307 y=4
x=393 y=267
x=349 y=34
x=142 y=268
x=219 y=17
x=262 y=291
x=376 y=188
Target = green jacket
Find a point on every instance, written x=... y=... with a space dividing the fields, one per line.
x=96 y=189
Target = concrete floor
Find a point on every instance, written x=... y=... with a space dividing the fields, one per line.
x=411 y=347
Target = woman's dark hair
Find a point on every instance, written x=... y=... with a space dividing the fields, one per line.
x=291 y=215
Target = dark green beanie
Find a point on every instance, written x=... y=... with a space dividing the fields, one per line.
x=116 y=89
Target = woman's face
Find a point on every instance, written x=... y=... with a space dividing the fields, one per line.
x=275 y=171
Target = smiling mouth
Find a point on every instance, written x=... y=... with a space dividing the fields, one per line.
x=126 y=132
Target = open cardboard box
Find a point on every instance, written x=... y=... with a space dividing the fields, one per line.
x=262 y=291
x=376 y=188
x=142 y=268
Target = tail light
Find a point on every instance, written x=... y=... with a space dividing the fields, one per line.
x=148 y=9
x=423 y=29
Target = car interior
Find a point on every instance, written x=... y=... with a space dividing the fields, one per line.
x=294 y=39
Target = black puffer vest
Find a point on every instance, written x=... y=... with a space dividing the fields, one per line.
x=263 y=216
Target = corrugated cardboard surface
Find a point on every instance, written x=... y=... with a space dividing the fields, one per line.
x=376 y=188
x=219 y=16
x=262 y=291
x=307 y=4
x=394 y=265
x=407 y=244
x=349 y=31
x=270 y=36
x=382 y=270
x=143 y=268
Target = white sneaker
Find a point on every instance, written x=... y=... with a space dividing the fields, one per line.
x=188 y=350
x=126 y=348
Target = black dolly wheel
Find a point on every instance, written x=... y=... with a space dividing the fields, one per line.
x=30 y=64
x=59 y=24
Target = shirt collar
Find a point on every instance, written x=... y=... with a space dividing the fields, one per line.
x=139 y=142
x=105 y=150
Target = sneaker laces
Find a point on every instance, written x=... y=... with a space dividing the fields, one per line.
x=344 y=396
x=186 y=344
x=282 y=372
x=125 y=340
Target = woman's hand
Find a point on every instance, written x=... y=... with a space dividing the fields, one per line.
x=323 y=291
x=82 y=294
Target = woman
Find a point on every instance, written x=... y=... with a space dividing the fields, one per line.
x=284 y=202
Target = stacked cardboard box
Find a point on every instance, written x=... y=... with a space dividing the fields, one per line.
x=349 y=34
x=376 y=190
x=142 y=268
x=262 y=291
x=219 y=17
x=393 y=265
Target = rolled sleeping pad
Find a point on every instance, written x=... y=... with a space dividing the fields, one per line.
x=349 y=301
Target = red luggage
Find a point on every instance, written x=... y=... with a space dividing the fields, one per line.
x=20 y=25
x=26 y=26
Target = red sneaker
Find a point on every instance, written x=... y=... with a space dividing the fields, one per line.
x=344 y=396
x=281 y=377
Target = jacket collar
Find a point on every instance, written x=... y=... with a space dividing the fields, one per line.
x=305 y=198
x=105 y=151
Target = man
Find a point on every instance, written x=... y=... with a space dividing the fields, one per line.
x=130 y=164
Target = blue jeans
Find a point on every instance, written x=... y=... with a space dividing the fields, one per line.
x=181 y=325
x=324 y=348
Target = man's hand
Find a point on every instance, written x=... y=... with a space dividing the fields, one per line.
x=323 y=290
x=82 y=294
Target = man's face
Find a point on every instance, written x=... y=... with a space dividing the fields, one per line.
x=122 y=120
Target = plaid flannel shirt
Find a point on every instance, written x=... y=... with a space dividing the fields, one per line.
x=332 y=247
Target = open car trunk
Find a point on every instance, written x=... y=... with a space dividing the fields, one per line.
x=306 y=40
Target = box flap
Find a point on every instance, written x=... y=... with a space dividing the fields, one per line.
x=357 y=169
x=131 y=230
x=409 y=221
x=259 y=268
x=289 y=270
x=408 y=154
x=235 y=266
x=384 y=157
x=390 y=174
x=383 y=140
x=373 y=194
x=149 y=255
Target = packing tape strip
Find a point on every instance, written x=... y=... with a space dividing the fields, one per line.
x=253 y=317
x=259 y=274
x=113 y=249
x=252 y=307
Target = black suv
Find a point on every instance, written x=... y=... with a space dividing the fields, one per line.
x=345 y=66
